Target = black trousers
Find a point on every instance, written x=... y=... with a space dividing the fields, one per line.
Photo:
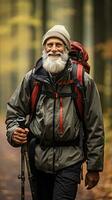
x=59 y=186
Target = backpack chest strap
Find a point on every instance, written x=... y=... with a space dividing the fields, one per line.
x=56 y=95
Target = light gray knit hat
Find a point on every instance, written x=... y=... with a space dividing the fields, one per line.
x=58 y=31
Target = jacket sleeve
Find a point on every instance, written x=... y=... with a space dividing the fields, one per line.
x=93 y=120
x=17 y=107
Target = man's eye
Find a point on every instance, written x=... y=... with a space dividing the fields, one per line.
x=59 y=45
x=49 y=45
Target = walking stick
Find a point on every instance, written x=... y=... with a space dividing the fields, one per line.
x=25 y=158
x=22 y=175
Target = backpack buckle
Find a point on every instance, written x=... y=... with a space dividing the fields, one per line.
x=56 y=95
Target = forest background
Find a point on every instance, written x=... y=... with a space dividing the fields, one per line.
x=22 y=25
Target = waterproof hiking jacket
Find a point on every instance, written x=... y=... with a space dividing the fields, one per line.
x=59 y=140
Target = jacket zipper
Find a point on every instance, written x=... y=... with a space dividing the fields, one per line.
x=61 y=129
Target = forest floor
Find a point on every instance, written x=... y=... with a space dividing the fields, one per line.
x=10 y=168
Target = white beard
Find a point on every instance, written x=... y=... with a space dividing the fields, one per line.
x=54 y=63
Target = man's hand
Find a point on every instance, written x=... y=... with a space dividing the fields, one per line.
x=20 y=135
x=91 y=179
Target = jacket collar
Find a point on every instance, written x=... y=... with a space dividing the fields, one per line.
x=40 y=74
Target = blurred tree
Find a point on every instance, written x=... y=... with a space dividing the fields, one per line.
x=103 y=52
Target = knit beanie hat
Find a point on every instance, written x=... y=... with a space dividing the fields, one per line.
x=58 y=31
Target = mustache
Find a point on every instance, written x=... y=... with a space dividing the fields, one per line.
x=54 y=54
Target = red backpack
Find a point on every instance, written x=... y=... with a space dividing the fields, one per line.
x=79 y=58
x=79 y=55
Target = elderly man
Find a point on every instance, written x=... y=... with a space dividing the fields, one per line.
x=56 y=156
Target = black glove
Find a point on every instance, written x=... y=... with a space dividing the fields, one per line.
x=91 y=179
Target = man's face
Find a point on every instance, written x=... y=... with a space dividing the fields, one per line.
x=54 y=46
x=55 y=55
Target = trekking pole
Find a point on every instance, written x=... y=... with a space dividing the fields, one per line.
x=22 y=173
x=30 y=178
x=25 y=157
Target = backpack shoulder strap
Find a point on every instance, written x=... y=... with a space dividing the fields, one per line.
x=79 y=101
x=79 y=88
x=34 y=88
x=35 y=95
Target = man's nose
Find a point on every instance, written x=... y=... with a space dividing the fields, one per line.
x=54 y=48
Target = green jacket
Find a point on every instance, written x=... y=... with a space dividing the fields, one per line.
x=45 y=125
